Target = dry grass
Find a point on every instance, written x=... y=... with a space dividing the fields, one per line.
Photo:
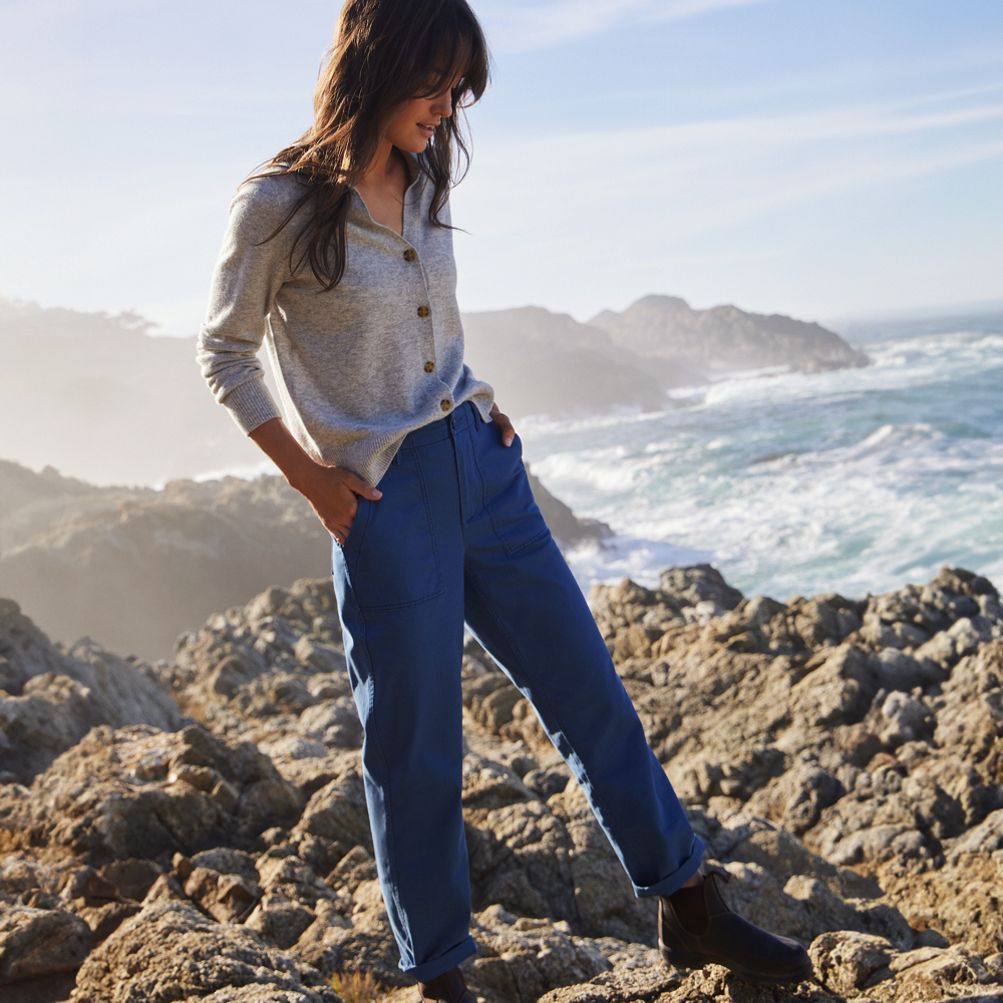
x=357 y=987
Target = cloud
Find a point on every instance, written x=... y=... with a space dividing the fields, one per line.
x=664 y=182
x=952 y=95
x=793 y=186
x=540 y=24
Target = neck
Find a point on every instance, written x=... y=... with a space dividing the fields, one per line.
x=384 y=166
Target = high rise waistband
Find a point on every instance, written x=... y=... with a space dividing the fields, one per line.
x=434 y=431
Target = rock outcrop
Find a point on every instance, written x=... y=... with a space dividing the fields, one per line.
x=725 y=338
x=841 y=757
x=50 y=698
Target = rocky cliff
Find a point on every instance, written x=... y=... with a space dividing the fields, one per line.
x=120 y=406
x=725 y=338
x=132 y=566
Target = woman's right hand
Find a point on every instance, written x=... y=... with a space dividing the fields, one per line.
x=332 y=492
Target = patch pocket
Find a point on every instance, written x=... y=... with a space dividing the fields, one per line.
x=394 y=561
x=508 y=497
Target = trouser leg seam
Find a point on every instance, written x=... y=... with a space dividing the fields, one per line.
x=392 y=841
x=548 y=709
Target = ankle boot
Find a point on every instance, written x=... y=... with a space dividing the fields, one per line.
x=449 y=987
x=713 y=934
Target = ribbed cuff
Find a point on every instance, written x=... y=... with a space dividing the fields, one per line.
x=251 y=404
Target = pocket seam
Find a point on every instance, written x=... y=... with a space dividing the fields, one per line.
x=511 y=549
x=439 y=586
x=361 y=530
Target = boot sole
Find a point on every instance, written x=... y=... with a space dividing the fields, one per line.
x=685 y=959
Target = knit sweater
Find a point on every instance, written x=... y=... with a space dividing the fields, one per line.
x=358 y=367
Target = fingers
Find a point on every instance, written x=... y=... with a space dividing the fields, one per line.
x=367 y=490
x=360 y=486
x=505 y=428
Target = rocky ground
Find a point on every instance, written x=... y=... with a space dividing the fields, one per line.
x=196 y=829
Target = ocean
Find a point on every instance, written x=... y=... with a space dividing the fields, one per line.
x=856 y=481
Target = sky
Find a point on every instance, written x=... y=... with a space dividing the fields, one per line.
x=826 y=159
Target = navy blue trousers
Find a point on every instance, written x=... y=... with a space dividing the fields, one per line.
x=456 y=539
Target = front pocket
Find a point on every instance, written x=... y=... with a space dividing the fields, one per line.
x=394 y=562
x=507 y=495
x=358 y=527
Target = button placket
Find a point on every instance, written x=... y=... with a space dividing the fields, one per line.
x=424 y=310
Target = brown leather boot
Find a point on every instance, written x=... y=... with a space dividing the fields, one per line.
x=449 y=987
x=713 y=934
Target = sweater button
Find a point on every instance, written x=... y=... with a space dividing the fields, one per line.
x=410 y=254
x=423 y=311
x=429 y=366
x=445 y=404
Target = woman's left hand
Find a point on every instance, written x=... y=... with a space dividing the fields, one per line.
x=504 y=425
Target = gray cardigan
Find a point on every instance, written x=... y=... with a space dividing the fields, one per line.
x=356 y=368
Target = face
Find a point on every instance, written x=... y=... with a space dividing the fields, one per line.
x=405 y=129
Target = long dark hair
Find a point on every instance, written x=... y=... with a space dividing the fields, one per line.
x=384 y=52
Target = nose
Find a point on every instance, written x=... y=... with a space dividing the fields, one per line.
x=443 y=104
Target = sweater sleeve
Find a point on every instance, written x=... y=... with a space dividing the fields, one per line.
x=246 y=277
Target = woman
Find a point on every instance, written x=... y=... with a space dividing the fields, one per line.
x=418 y=477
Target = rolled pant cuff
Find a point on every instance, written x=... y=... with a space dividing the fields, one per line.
x=675 y=880
x=444 y=962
